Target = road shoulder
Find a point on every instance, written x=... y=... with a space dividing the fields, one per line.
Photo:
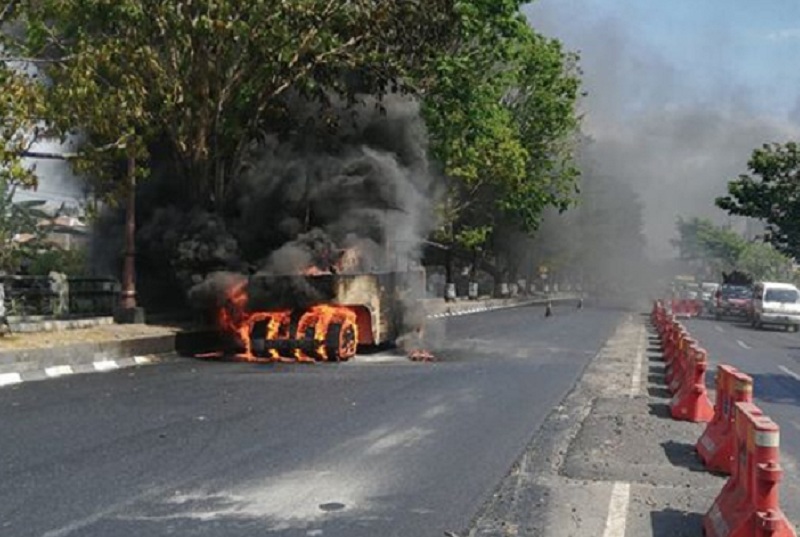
x=608 y=461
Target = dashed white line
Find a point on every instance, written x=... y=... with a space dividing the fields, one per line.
x=618 y=510
x=719 y=329
x=742 y=344
x=7 y=379
x=789 y=372
x=58 y=371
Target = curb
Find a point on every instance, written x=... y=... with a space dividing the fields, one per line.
x=17 y=366
x=455 y=311
x=56 y=371
x=83 y=353
x=42 y=324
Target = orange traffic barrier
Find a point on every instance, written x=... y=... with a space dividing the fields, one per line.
x=716 y=445
x=659 y=318
x=670 y=339
x=691 y=402
x=684 y=307
x=748 y=505
x=677 y=366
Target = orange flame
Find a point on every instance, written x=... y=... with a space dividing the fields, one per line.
x=332 y=331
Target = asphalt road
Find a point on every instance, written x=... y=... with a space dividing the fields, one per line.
x=772 y=358
x=377 y=447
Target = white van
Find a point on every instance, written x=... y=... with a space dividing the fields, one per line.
x=776 y=304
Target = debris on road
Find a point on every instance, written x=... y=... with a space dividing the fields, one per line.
x=421 y=355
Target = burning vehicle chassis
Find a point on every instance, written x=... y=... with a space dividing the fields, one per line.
x=317 y=317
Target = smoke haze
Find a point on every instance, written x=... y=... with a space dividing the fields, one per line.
x=675 y=139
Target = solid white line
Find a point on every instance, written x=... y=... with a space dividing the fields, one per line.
x=618 y=510
x=105 y=365
x=6 y=379
x=742 y=344
x=58 y=370
x=636 y=379
x=789 y=372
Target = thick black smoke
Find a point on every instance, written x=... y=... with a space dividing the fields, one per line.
x=304 y=201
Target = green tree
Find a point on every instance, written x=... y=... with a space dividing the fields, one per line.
x=543 y=104
x=701 y=240
x=502 y=118
x=70 y=262
x=771 y=192
x=203 y=79
x=19 y=218
x=764 y=262
x=723 y=250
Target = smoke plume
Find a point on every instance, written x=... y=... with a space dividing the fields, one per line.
x=357 y=200
x=675 y=139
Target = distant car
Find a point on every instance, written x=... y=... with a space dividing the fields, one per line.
x=733 y=301
x=707 y=293
x=776 y=304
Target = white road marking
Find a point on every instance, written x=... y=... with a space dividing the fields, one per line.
x=789 y=372
x=743 y=345
x=378 y=359
x=719 y=329
x=6 y=379
x=636 y=379
x=618 y=510
x=58 y=370
x=105 y=365
x=142 y=360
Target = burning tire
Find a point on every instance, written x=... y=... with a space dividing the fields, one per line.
x=341 y=341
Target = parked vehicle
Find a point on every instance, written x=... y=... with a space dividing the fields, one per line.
x=776 y=304
x=733 y=301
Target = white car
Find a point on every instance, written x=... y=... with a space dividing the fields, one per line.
x=776 y=304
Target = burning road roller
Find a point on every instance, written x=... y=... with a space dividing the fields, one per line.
x=319 y=316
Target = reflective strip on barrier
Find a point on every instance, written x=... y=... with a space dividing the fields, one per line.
x=770 y=439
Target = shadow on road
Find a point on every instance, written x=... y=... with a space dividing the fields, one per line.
x=776 y=388
x=683 y=455
x=659 y=391
x=660 y=410
x=675 y=523
x=657 y=378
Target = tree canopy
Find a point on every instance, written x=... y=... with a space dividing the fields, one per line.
x=194 y=85
x=722 y=250
x=701 y=240
x=207 y=78
x=23 y=228
x=771 y=192
x=503 y=121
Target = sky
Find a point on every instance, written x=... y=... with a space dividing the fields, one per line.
x=680 y=92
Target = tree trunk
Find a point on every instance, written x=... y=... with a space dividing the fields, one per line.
x=128 y=298
x=448 y=266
